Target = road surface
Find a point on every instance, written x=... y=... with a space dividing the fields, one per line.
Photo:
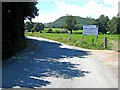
x=50 y=64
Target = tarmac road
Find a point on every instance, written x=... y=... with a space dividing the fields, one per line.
x=50 y=64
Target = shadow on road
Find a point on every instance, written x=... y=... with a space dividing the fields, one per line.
x=44 y=60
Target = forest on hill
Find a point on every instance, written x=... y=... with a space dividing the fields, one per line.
x=59 y=23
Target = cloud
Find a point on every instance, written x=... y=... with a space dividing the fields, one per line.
x=91 y=8
x=44 y=18
x=111 y=2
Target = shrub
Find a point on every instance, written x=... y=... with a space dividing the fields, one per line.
x=49 y=31
x=40 y=31
x=57 y=31
x=32 y=31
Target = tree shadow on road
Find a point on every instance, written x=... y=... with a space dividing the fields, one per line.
x=44 y=60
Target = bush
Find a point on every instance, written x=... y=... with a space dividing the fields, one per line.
x=32 y=31
x=49 y=31
x=57 y=31
x=40 y=31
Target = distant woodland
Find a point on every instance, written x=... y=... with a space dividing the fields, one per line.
x=106 y=25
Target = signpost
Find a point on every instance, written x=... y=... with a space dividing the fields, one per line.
x=90 y=30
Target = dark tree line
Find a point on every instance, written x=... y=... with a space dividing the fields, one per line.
x=13 y=16
x=107 y=26
x=34 y=26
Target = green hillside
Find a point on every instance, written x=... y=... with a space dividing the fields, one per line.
x=61 y=22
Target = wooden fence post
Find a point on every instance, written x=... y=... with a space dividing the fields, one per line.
x=105 y=42
x=92 y=40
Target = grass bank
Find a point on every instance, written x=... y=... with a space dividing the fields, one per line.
x=77 y=40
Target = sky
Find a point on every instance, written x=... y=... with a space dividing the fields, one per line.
x=50 y=10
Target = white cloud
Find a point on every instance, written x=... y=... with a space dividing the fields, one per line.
x=91 y=9
x=111 y=2
x=44 y=18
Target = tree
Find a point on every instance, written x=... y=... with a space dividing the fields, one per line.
x=70 y=23
x=28 y=26
x=78 y=27
x=38 y=27
x=13 y=16
x=113 y=25
x=118 y=25
x=102 y=21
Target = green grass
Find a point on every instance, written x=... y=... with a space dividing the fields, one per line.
x=57 y=29
x=54 y=29
x=78 y=31
x=77 y=40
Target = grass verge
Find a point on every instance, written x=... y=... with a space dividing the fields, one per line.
x=77 y=40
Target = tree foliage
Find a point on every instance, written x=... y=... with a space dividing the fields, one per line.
x=70 y=23
x=113 y=26
x=102 y=21
x=38 y=27
x=118 y=23
x=28 y=26
x=35 y=26
x=108 y=26
x=13 y=16
x=60 y=22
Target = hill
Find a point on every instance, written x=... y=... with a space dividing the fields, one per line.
x=59 y=23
